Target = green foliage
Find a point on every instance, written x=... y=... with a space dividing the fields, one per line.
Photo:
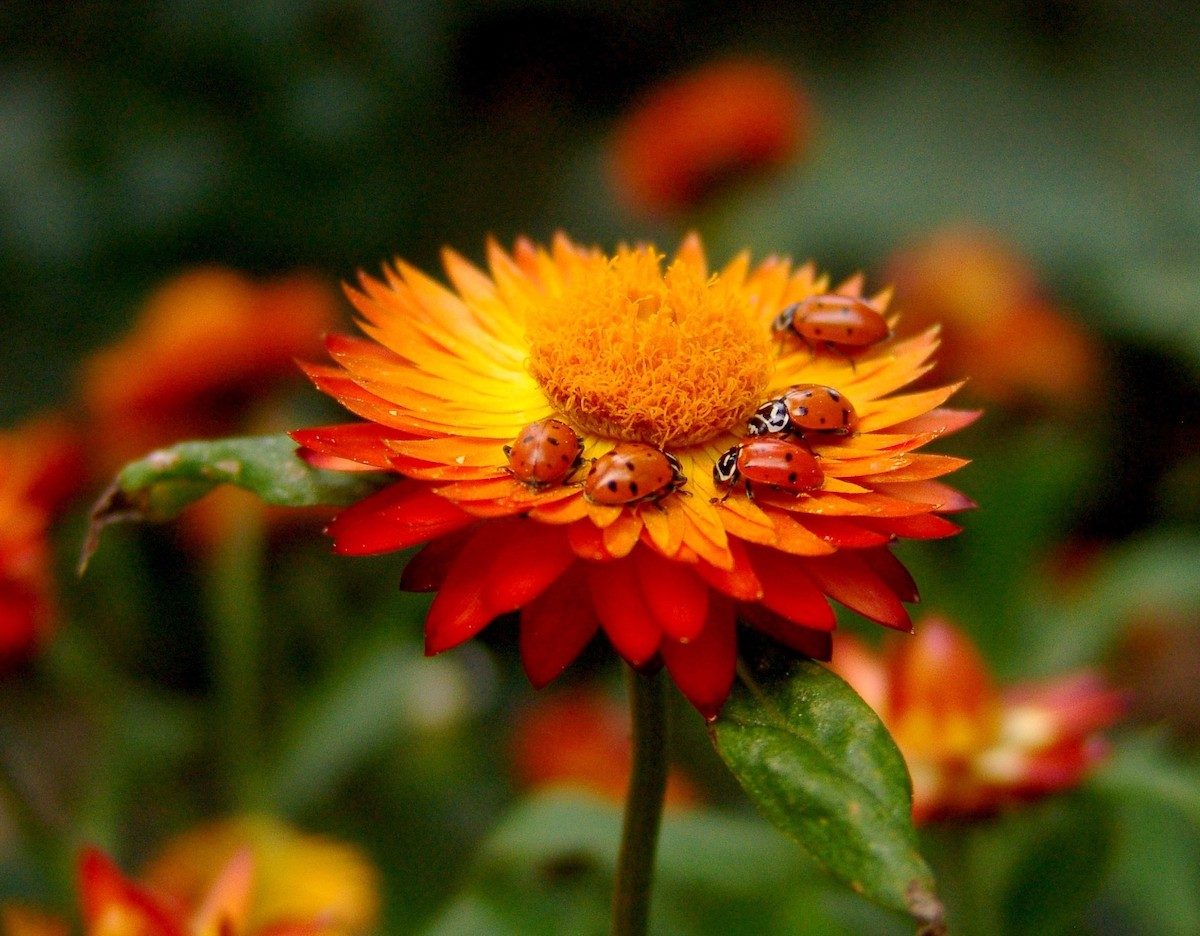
x=820 y=765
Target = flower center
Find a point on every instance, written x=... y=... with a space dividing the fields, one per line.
x=632 y=353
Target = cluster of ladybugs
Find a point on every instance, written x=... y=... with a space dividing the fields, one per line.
x=549 y=452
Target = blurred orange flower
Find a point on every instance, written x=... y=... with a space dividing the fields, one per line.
x=970 y=747
x=579 y=739
x=723 y=122
x=42 y=468
x=240 y=877
x=997 y=321
x=203 y=360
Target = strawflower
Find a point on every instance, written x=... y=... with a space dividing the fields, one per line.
x=724 y=122
x=971 y=747
x=241 y=877
x=42 y=468
x=620 y=350
x=207 y=357
x=579 y=740
x=997 y=318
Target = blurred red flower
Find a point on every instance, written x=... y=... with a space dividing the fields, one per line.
x=970 y=747
x=580 y=740
x=725 y=121
x=43 y=468
x=998 y=324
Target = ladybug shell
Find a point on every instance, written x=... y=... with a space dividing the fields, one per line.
x=631 y=472
x=544 y=452
x=838 y=320
x=817 y=408
x=780 y=464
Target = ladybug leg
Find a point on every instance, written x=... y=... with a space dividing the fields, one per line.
x=830 y=346
x=749 y=491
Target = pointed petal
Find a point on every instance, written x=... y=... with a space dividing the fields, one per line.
x=739 y=581
x=427 y=570
x=703 y=668
x=847 y=579
x=675 y=595
x=399 y=516
x=556 y=627
x=817 y=644
x=525 y=566
x=617 y=598
x=459 y=611
x=789 y=592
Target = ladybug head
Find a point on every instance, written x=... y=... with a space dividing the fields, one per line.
x=772 y=416
x=725 y=470
x=783 y=321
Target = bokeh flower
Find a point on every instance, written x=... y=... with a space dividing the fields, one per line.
x=208 y=357
x=997 y=318
x=621 y=351
x=972 y=748
x=239 y=877
x=726 y=121
x=42 y=469
x=579 y=740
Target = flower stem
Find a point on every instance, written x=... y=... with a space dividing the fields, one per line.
x=643 y=804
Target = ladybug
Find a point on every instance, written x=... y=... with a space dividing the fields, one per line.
x=773 y=462
x=545 y=452
x=631 y=473
x=805 y=408
x=838 y=322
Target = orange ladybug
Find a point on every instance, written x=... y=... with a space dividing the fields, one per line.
x=545 y=452
x=805 y=408
x=838 y=322
x=774 y=462
x=632 y=472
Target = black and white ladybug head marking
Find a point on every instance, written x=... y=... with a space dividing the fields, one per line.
x=783 y=321
x=725 y=470
x=772 y=416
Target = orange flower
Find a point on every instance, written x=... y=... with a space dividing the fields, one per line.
x=242 y=877
x=622 y=351
x=42 y=469
x=580 y=740
x=209 y=344
x=996 y=317
x=202 y=361
x=970 y=747
x=722 y=122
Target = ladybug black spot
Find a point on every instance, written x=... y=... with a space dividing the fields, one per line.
x=792 y=476
x=630 y=465
x=633 y=488
x=528 y=440
x=565 y=457
x=822 y=420
x=835 y=396
x=612 y=486
x=552 y=440
x=802 y=410
x=789 y=456
x=818 y=330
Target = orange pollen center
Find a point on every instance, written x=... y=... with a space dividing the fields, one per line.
x=629 y=352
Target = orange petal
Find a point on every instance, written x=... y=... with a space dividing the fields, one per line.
x=932 y=494
x=703 y=668
x=739 y=581
x=939 y=422
x=617 y=598
x=622 y=534
x=889 y=412
x=555 y=628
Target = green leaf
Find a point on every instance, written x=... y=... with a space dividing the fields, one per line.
x=820 y=765
x=159 y=486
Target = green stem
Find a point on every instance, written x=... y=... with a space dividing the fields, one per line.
x=643 y=805
x=234 y=592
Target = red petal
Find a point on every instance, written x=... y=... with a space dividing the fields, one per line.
x=426 y=571
x=893 y=572
x=534 y=556
x=633 y=630
x=922 y=526
x=363 y=443
x=587 y=540
x=843 y=533
x=739 y=581
x=789 y=592
x=102 y=885
x=703 y=668
x=459 y=610
x=675 y=595
x=940 y=421
x=817 y=644
x=848 y=579
x=399 y=516
x=555 y=628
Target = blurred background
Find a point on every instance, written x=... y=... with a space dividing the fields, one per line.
x=1026 y=173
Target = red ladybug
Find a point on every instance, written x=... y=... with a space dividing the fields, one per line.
x=632 y=472
x=803 y=409
x=837 y=322
x=774 y=462
x=544 y=453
